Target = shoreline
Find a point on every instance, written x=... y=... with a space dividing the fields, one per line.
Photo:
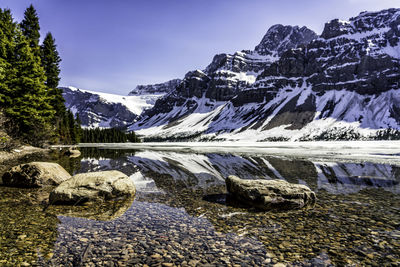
x=20 y=152
x=380 y=152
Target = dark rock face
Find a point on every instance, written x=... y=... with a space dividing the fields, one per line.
x=94 y=110
x=358 y=55
x=281 y=38
x=159 y=88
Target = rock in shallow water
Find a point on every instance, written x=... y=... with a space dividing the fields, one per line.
x=35 y=174
x=270 y=194
x=72 y=153
x=93 y=186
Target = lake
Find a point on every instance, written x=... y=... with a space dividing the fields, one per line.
x=182 y=215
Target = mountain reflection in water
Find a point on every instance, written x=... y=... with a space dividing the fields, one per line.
x=205 y=170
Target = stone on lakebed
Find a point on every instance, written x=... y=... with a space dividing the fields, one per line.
x=35 y=174
x=92 y=186
x=270 y=194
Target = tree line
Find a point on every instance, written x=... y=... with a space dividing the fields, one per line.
x=112 y=135
x=29 y=75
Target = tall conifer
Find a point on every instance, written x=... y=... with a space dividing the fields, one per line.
x=30 y=26
x=51 y=64
x=30 y=107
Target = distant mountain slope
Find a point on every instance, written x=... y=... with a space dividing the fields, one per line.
x=342 y=85
x=159 y=88
x=106 y=110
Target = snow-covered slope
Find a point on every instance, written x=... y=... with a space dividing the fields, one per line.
x=293 y=86
x=106 y=110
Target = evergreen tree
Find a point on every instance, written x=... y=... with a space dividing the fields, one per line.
x=51 y=64
x=30 y=27
x=29 y=107
x=29 y=77
x=112 y=135
x=78 y=128
x=7 y=33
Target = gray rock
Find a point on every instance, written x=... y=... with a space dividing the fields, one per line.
x=72 y=153
x=93 y=186
x=270 y=194
x=35 y=174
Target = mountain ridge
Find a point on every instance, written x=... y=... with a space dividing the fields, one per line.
x=294 y=85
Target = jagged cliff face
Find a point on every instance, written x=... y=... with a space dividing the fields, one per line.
x=293 y=86
x=281 y=38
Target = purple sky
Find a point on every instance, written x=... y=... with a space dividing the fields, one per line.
x=111 y=46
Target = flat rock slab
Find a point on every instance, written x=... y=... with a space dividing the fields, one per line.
x=35 y=174
x=93 y=186
x=270 y=194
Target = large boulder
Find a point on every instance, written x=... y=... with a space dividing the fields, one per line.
x=93 y=186
x=270 y=194
x=35 y=174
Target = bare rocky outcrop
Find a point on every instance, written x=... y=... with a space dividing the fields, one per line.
x=35 y=174
x=93 y=186
x=270 y=194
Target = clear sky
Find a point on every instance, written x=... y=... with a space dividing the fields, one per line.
x=113 y=45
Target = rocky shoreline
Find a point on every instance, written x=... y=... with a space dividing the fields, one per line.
x=20 y=154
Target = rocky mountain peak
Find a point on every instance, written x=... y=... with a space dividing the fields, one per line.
x=280 y=38
x=364 y=22
x=159 y=88
x=368 y=21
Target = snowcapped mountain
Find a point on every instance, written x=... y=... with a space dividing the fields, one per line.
x=293 y=86
x=106 y=110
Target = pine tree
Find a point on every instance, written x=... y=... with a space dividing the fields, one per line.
x=51 y=64
x=29 y=107
x=7 y=32
x=78 y=128
x=30 y=27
